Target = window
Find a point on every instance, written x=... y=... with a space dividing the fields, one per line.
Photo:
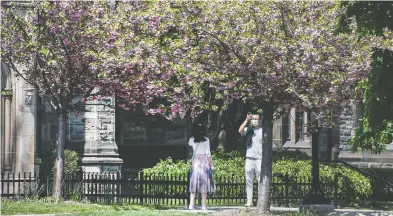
x=299 y=126
x=139 y=129
x=286 y=128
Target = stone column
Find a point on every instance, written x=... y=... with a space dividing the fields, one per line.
x=277 y=133
x=7 y=130
x=24 y=136
x=293 y=124
x=307 y=137
x=2 y=140
x=100 y=152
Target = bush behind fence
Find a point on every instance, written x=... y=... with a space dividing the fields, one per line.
x=172 y=190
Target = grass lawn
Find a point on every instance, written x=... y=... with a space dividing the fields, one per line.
x=26 y=207
x=141 y=213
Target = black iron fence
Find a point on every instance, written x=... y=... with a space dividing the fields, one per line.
x=381 y=188
x=171 y=190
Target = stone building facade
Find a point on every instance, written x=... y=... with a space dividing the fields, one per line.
x=349 y=120
x=109 y=139
x=333 y=142
x=290 y=132
x=18 y=124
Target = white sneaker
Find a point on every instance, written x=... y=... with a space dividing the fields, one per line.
x=204 y=208
x=190 y=207
x=248 y=204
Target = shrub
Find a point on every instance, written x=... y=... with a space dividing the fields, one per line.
x=70 y=189
x=291 y=167
x=281 y=154
x=70 y=166
x=70 y=162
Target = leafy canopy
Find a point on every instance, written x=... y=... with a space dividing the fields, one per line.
x=68 y=50
x=270 y=53
x=376 y=125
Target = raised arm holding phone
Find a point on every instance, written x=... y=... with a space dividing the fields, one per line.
x=251 y=129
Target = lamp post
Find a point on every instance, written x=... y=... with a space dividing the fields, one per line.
x=315 y=200
x=315 y=195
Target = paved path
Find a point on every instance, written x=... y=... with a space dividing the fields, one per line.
x=353 y=212
x=341 y=212
x=214 y=209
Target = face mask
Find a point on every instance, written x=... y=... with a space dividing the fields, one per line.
x=254 y=123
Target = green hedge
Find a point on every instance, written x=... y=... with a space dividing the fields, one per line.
x=70 y=165
x=290 y=166
x=226 y=164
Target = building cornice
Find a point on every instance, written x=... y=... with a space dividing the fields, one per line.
x=7 y=93
x=21 y=4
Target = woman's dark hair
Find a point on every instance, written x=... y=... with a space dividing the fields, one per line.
x=198 y=132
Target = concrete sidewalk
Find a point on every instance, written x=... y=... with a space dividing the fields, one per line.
x=214 y=209
x=343 y=212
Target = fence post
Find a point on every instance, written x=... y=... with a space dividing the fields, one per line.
x=13 y=186
x=8 y=184
x=188 y=188
x=172 y=187
x=19 y=183
x=95 y=185
x=89 y=177
x=24 y=184
x=141 y=187
x=113 y=185
x=2 y=183
x=286 y=189
x=47 y=184
x=335 y=191
x=68 y=185
x=118 y=185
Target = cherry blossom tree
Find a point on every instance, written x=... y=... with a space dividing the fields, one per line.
x=49 y=47
x=180 y=58
x=68 y=49
x=274 y=55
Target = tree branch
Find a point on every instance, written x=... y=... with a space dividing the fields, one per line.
x=85 y=95
x=227 y=48
x=287 y=30
x=16 y=18
x=220 y=121
x=53 y=100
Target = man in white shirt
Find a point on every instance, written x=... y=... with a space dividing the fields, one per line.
x=253 y=136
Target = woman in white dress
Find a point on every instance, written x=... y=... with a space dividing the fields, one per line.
x=201 y=176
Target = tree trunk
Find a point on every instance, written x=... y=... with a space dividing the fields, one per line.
x=264 y=191
x=58 y=172
x=235 y=118
x=215 y=129
x=222 y=141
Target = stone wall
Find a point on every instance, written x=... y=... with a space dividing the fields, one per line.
x=347 y=124
x=348 y=121
x=91 y=133
x=375 y=165
x=22 y=150
x=94 y=129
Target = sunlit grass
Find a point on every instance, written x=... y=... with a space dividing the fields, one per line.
x=43 y=207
